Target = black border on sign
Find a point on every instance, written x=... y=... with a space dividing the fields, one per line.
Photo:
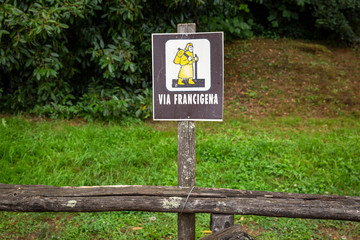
x=179 y=112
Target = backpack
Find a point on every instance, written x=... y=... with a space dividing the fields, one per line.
x=178 y=56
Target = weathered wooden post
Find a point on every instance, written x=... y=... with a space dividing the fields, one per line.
x=219 y=222
x=187 y=87
x=186 y=159
x=186 y=174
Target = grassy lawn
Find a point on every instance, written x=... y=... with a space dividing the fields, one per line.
x=291 y=125
x=289 y=154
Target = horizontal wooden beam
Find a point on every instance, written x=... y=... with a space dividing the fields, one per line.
x=38 y=198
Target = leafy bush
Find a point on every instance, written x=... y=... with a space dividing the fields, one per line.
x=340 y=18
x=310 y=19
x=232 y=17
x=92 y=58
x=89 y=58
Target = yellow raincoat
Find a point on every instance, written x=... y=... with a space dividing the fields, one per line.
x=186 y=59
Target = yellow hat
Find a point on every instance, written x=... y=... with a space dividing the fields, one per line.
x=188 y=45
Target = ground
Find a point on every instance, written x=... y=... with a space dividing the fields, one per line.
x=265 y=77
x=275 y=78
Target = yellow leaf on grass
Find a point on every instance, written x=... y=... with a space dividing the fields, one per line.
x=136 y=228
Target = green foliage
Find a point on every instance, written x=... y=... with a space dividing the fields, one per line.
x=232 y=17
x=340 y=18
x=330 y=20
x=92 y=58
x=75 y=58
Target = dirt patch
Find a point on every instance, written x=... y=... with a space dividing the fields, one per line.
x=346 y=233
x=290 y=77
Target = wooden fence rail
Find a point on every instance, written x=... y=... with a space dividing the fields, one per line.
x=38 y=198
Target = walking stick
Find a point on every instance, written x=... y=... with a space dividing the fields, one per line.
x=195 y=68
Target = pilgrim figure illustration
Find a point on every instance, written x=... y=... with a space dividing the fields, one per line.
x=186 y=59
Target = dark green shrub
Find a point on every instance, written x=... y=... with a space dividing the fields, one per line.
x=334 y=20
x=92 y=58
x=232 y=17
x=340 y=19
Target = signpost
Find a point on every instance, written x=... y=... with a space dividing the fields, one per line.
x=188 y=76
x=188 y=85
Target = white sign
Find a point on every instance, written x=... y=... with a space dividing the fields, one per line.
x=188 y=76
x=188 y=63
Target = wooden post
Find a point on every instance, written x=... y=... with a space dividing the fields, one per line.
x=186 y=159
x=234 y=232
x=220 y=222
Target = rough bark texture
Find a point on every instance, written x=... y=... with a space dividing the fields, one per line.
x=232 y=233
x=186 y=159
x=219 y=222
x=33 y=198
x=186 y=154
x=186 y=174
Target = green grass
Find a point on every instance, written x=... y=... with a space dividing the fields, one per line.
x=56 y=153
x=292 y=154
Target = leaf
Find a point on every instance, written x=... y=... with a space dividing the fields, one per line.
x=286 y=13
x=2 y=32
x=138 y=113
x=126 y=65
x=28 y=62
x=63 y=25
x=136 y=228
x=132 y=67
x=111 y=68
x=112 y=46
x=101 y=43
x=3 y=122
x=106 y=112
x=54 y=54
